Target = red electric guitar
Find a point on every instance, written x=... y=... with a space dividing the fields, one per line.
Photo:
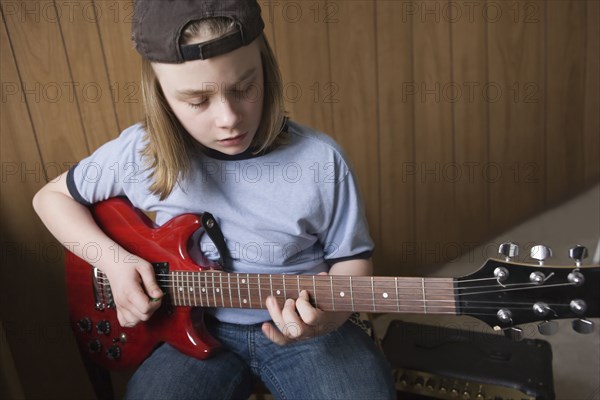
x=501 y=293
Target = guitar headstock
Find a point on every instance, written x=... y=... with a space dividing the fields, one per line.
x=504 y=293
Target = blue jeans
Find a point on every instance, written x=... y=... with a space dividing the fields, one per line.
x=343 y=364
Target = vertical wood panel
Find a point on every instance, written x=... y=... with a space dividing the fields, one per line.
x=516 y=110
x=565 y=66
x=396 y=131
x=46 y=84
x=353 y=67
x=592 y=95
x=33 y=300
x=122 y=61
x=434 y=149
x=92 y=91
x=469 y=66
x=300 y=29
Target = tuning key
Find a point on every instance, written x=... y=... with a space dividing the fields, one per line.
x=578 y=253
x=508 y=250
x=513 y=333
x=583 y=326
x=541 y=253
x=548 y=328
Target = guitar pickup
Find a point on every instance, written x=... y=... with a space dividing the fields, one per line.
x=102 y=294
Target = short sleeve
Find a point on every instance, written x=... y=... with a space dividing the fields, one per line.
x=346 y=236
x=114 y=169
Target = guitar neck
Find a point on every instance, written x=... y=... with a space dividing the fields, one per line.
x=326 y=292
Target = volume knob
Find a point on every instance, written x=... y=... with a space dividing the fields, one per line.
x=84 y=324
x=114 y=352
x=103 y=327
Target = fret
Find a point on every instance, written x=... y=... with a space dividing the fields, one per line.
x=298 y=282
x=314 y=289
x=373 y=294
x=174 y=287
x=180 y=288
x=239 y=291
x=221 y=286
x=249 y=294
x=205 y=288
x=229 y=289
x=260 y=292
x=199 y=291
x=351 y=294
x=423 y=291
x=189 y=288
x=271 y=283
x=192 y=291
x=212 y=278
x=332 y=297
x=397 y=297
x=284 y=287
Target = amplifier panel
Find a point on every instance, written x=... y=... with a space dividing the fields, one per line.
x=444 y=363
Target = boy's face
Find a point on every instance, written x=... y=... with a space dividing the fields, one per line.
x=218 y=101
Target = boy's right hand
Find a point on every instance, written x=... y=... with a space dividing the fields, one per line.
x=135 y=291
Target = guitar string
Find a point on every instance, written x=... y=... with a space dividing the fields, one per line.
x=393 y=307
x=357 y=288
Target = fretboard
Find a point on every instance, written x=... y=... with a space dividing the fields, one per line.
x=326 y=292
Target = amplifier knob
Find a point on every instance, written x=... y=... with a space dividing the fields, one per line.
x=403 y=380
x=430 y=384
x=466 y=395
x=419 y=383
x=454 y=392
x=443 y=390
x=480 y=396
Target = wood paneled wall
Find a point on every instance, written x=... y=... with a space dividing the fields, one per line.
x=460 y=118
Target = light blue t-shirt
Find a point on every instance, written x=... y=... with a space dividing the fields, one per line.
x=294 y=210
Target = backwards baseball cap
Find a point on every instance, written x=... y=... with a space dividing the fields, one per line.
x=158 y=24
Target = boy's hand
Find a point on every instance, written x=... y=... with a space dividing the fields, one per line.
x=298 y=319
x=135 y=291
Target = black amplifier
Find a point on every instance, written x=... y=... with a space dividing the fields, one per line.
x=432 y=362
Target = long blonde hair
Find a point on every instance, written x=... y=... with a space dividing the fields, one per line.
x=169 y=149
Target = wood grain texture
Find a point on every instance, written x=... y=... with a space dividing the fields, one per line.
x=300 y=32
x=86 y=63
x=352 y=43
x=123 y=63
x=470 y=122
x=592 y=94
x=435 y=206
x=565 y=100
x=396 y=139
x=46 y=84
x=517 y=112
x=33 y=311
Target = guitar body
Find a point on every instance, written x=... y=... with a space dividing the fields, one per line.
x=94 y=318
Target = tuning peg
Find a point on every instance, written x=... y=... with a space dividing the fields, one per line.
x=548 y=328
x=513 y=333
x=583 y=326
x=508 y=250
x=578 y=253
x=541 y=253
